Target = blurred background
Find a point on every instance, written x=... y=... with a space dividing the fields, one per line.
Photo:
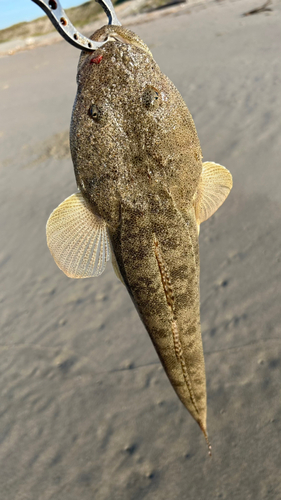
x=86 y=409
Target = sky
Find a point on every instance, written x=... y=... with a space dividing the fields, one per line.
x=16 y=11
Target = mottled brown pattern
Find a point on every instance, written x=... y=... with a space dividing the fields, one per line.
x=166 y=281
x=138 y=162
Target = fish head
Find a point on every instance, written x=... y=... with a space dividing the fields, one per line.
x=130 y=127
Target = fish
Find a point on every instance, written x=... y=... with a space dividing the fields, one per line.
x=143 y=192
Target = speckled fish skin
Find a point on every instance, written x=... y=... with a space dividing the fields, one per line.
x=138 y=163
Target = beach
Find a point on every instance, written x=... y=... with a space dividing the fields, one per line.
x=86 y=410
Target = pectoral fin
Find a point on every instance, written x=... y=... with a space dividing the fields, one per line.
x=77 y=239
x=214 y=187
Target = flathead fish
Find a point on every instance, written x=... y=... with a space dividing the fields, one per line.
x=143 y=193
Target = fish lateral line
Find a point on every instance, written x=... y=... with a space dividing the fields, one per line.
x=168 y=290
x=165 y=278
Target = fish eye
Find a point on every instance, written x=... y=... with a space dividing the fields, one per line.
x=95 y=112
x=151 y=97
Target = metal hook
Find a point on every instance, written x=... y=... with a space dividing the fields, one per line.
x=58 y=17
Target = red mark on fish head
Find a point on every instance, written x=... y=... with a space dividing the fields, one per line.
x=96 y=60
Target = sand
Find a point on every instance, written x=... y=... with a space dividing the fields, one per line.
x=86 y=410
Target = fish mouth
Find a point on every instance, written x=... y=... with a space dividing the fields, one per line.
x=119 y=34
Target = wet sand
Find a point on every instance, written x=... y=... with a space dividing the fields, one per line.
x=86 y=410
